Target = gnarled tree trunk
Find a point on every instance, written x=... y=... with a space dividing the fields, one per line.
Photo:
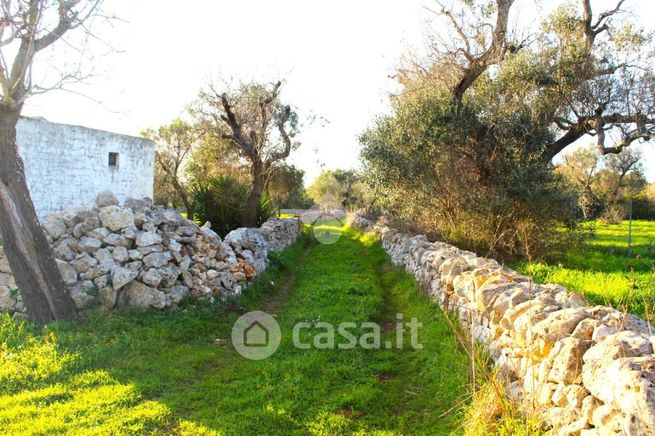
x=258 y=186
x=30 y=256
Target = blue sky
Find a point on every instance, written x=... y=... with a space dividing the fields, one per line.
x=336 y=58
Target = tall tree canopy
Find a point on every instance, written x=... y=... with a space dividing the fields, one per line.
x=255 y=122
x=582 y=73
x=175 y=144
x=467 y=151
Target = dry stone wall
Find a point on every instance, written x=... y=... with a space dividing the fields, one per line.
x=9 y=295
x=316 y=215
x=589 y=370
x=145 y=256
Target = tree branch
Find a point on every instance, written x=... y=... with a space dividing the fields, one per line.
x=624 y=142
x=600 y=26
x=230 y=119
x=596 y=124
x=605 y=15
x=494 y=53
x=286 y=114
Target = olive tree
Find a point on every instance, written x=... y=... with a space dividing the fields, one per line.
x=286 y=188
x=466 y=152
x=604 y=183
x=255 y=122
x=583 y=73
x=175 y=142
x=336 y=188
x=581 y=168
x=29 y=28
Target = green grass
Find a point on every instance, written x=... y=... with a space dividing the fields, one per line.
x=602 y=271
x=176 y=372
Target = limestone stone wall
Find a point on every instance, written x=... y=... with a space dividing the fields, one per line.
x=314 y=215
x=589 y=370
x=9 y=295
x=66 y=166
x=145 y=256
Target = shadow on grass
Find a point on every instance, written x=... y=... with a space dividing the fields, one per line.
x=176 y=372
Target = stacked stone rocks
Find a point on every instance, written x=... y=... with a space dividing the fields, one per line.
x=589 y=370
x=310 y=216
x=10 y=299
x=147 y=256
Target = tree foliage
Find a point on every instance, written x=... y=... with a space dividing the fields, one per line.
x=286 y=188
x=174 y=145
x=466 y=153
x=214 y=156
x=423 y=165
x=643 y=204
x=337 y=189
x=605 y=184
x=255 y=122
x=579 y=74
x=221 y=201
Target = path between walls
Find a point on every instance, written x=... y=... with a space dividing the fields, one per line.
x=276 y=301
x=588 y=370
x=180 y=367
x=407 y=391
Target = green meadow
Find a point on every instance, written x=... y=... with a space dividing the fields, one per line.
x=602 y=270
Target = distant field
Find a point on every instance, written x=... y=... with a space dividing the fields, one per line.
x=602 y=271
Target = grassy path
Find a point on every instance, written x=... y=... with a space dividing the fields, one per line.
x=177 y=373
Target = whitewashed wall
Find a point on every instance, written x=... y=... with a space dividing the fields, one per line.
x=66 y=166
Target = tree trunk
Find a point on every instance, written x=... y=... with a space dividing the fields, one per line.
x=184 y=196
x=189 y=211
x=28 y=251
x=252 y=204
x=188 y=204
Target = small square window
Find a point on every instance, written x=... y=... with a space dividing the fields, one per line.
x=113 y=160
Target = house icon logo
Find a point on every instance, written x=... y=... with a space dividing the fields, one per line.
x=256 y=335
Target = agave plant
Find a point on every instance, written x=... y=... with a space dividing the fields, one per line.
x=221 y=201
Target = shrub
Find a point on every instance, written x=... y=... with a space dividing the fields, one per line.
x=496 y=196
x=643 y=208
x=221 y=201
x=613 y=214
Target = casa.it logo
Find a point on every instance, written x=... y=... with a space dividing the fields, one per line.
x=256 y=335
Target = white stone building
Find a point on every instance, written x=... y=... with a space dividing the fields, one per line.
x=67 y=166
